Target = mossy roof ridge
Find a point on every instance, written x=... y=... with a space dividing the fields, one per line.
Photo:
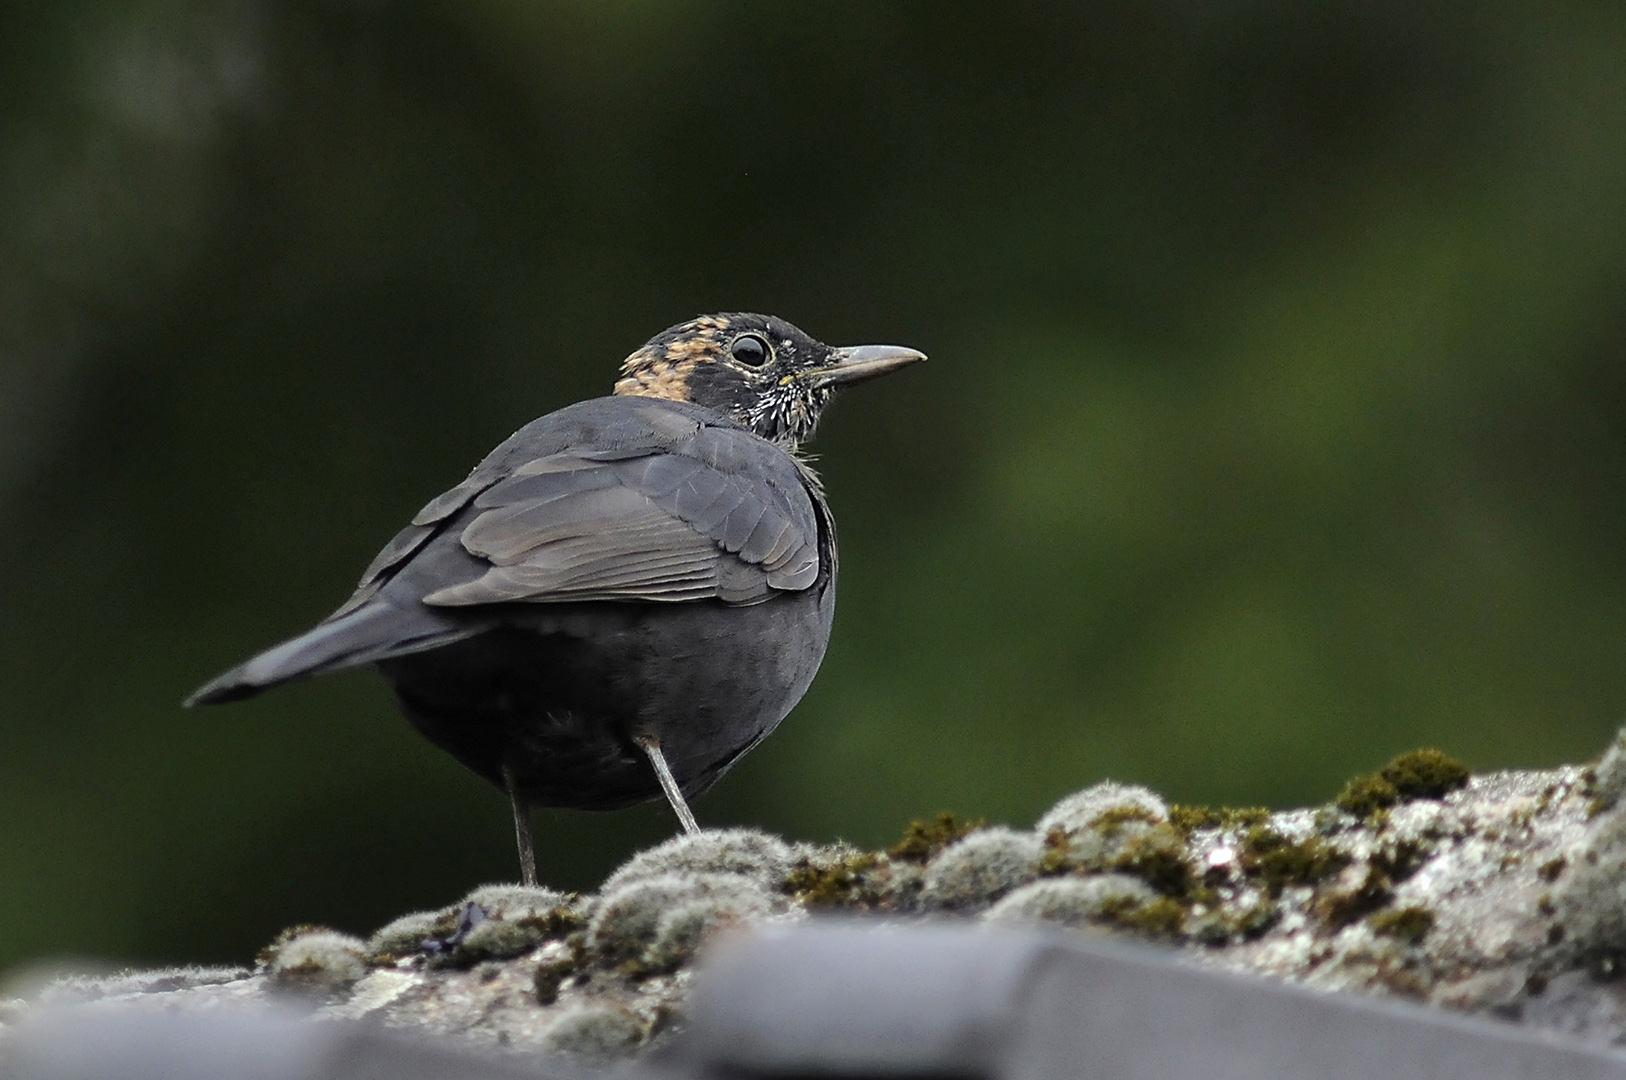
x=1479 y=893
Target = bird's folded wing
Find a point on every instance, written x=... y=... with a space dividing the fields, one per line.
x=705 y=522
x=407 y=542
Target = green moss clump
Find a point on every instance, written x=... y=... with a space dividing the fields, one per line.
x=1279 y=862
x=558 y=921
x=1402 y=859
x=1189 y=819
x=842 y=883
x=923 y=839
x=1057 y=857
x=1162 y=917
x=551 y=974
x=1262 y=839
x=1600 y=803
x=1158 y=857
x=1120 y=815
x=1364 y=796
x=1243 y=817
x=1258 y=920
x=1418 y=774
x=1426 y=774
x=1129 y=840
x=1408 y=924
x=1340 y=909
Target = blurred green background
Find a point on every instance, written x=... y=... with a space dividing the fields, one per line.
x=1275 y=420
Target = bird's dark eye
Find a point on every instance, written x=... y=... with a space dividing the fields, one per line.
x=751 y=350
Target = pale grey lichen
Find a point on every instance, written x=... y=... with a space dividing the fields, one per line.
x=403 y=936
x=497 y=939
x=627 y=921
x=683 y=929
x=1082 y=810
x=58 y=988
x=317 y=961
x=1587 y=899
x=746 y=852
x=1072 y=901
x=1607 y=780
x=981 y=867
x=515 y=901
x=594 y=1031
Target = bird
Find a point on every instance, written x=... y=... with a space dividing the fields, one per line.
x=627 y=594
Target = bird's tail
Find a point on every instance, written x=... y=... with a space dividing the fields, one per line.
x=375 y=631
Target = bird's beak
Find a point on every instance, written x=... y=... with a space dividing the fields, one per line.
x=856 y=363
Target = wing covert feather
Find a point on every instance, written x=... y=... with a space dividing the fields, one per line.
x=407 y=542
x=708 y=516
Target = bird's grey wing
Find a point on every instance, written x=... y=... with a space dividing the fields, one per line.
x=361 y=631
x=718 y=514
x=407 y=542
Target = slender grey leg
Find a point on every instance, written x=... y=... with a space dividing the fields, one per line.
x=522 y=830
x=669 y=784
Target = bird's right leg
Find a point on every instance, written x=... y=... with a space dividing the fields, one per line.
x=522 y=829
x=674 y=794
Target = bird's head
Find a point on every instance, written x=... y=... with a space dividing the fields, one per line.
x=757 y=370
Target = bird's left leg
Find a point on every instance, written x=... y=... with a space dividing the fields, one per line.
x=522 y=829
x=674 y=795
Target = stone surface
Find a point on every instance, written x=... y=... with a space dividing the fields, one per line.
x=1502 y=894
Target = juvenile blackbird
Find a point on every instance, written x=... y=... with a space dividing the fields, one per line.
x=623 y=597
